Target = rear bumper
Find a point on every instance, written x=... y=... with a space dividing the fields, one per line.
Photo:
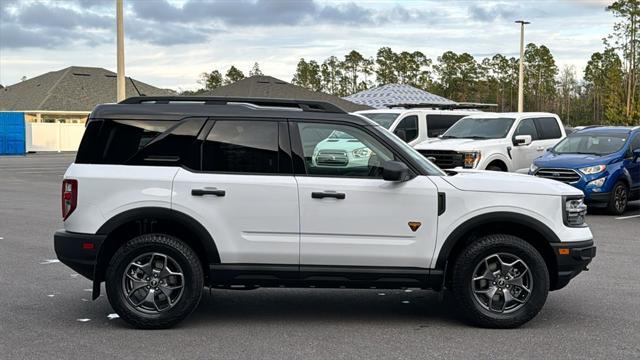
x=572 y=258
x=78 y=251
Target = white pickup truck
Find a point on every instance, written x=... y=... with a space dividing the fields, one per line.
x=416 y=125
x=494 y=141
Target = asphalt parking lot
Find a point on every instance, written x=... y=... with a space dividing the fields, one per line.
x=46 y=312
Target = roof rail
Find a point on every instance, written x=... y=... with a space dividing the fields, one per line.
x=304 y=105
x=454 y=106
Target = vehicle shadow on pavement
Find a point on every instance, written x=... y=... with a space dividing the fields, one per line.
x=322 y=306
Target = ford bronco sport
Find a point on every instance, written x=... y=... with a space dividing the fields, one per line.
x=169 y=195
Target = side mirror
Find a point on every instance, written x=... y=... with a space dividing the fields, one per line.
x=636 y=154
x=395 y=171
x=521 y=140
x=401 y=134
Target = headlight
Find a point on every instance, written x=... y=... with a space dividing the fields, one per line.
x=597 y=183
x=593 y=169
x=361 y=152
x=533 y=168
x=574 y=211
x=471 y=159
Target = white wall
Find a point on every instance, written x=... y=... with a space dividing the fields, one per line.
x=53 y=136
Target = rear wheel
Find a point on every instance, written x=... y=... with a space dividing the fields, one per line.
x=618 y=199
x=500 y=281
x=154 y=281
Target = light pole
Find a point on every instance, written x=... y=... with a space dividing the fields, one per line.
x=120 y=84
x=521 y=70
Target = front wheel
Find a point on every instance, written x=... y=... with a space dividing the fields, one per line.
x=500 y=281
x=154 y=281
x=618 y=200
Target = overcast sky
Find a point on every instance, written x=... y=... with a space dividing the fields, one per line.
x=169 y=42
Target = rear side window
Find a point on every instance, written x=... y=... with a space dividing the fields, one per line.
x=438 y=124
x=242 y=147
x=548 y=128
x=141 y=142
x=407 y=129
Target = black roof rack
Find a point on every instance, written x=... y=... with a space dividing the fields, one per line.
x=440 y=106
x=304 y=105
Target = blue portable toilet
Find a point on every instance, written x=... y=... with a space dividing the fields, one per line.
x=12 y=133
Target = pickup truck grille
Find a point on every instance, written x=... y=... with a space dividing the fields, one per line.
x=564 y=175
x=445 y=159
x=332 y=158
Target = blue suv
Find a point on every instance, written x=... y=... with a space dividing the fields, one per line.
x=603 y=162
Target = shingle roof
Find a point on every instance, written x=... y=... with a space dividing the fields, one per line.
x=270 y=87
x=396 y=94
x=72 y=89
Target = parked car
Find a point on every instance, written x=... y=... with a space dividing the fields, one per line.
x=603 y=162
x=339 y=149
x=224 y=192
x=494 y=141
x=416 y=125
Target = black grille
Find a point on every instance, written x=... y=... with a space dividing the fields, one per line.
x=564 y=175
x=445 y=159
x=332 y=158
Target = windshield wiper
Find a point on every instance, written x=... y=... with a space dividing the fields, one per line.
x=476 y=137
x=448 y=137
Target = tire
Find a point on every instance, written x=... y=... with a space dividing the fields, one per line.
x=472 y=296
x=173 y=297
x=618 y=199
x=493 y=167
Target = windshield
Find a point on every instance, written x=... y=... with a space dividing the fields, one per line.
x=340 y=135
x=591 y=144
x=479 y=128
x=429 y=167
x=383 y=119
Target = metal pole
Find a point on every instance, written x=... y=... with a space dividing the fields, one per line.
x=521 y=70
x=121 y=92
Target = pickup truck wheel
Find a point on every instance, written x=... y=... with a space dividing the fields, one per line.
x=154 y=281
x=500 y=281
x=618 y=200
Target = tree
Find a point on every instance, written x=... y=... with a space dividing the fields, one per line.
x=308 y=75
x=386 y=72
x=603 y=78
x=211 y=80
x=23 y=78
x=540 y=77
x=625 y=39
x=331 y=73
x=567 y=87
x=255 y=70
x=233 y=75
x=413 y=68
x=458 y=75
x=352 y=65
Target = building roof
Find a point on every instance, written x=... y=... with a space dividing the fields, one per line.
x=396 y=95
x=270 y=87
x=72 y=89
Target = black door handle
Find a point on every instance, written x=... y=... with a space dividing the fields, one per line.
x=327 y=194
x=201 y=192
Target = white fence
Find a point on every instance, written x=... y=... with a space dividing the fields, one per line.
x=53 y=136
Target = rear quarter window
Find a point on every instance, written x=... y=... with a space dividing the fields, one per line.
x=548 y=128
x=438 y=124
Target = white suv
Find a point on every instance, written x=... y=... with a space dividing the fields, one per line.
x=495 y=141
x=171 y=194
x=416 y=125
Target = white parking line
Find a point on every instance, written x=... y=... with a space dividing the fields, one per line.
x=627 y=217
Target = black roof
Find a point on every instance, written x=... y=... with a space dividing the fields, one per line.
x=179 y=107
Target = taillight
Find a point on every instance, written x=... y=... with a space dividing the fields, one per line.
x=69 y=197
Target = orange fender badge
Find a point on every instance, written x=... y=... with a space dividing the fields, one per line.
x=414 y=225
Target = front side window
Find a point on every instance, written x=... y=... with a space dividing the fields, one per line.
x=527 y=127
x=383 y=119
x=341 y=150
x=479 y=128
x=407 y=129
x=242 y=147
x=592 y=144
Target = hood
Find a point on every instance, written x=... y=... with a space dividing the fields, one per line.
x=496 y=181
x=573 y=161
x=341 y=144
x=457 y=144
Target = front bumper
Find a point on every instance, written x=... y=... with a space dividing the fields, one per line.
x=572 y=258
x=78 y=251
